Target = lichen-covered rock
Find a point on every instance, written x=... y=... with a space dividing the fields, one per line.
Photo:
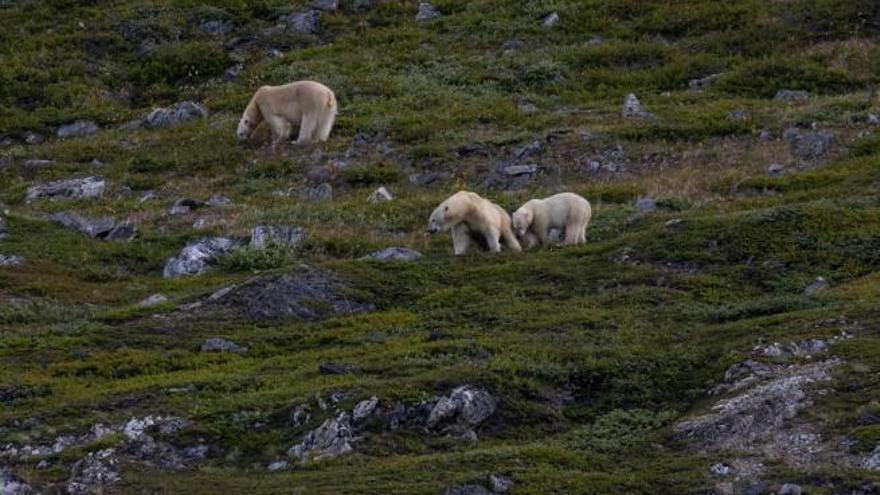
x=78 y=128
x=198 y=256
x=427 y=12
x=332 y=439
x=462 y=410
x=177 y=114
x=217 y=344
x=302 y=22
x=95 y=470
x=87 y=187
x=13 y=485
x=394 y=254
x=264 y=235
x=363 y=409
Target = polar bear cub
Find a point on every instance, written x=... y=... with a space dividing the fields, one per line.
x=472 y=218
x=533 y=221
x=308 y=104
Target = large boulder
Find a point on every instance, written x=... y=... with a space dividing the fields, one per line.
x=306 y=294
x=332 y=439
x=77 y=129
x=87 y=187
x=198 y=256
x=176 y=114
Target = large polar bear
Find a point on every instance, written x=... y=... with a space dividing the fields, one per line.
x=533 y=221
x=471 y=217
x=309 y=104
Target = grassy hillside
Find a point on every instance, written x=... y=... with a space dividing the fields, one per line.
x=594 y=355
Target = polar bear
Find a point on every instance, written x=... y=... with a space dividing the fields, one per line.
x=533 y=221
x=309 y=104
x=472 y=218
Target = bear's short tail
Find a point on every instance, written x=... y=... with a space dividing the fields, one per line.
x=326 y=118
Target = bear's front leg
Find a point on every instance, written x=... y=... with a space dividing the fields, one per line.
x=461 y=239
x=492 y=240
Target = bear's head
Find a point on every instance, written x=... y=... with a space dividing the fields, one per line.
x=244 y=128
x=440 y=219
x=522 y=220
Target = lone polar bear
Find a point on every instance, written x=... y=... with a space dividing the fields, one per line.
x=471 y=217
x=307 y=103
x=532 y=221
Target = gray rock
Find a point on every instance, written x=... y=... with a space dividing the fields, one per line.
x=526 y=150
x=775 y=169
x=791 y=134
x=88 y=187
x=232 y=73
x=465 y=408
x=306 y=294
x=332 y=439
x=4 y=229
x=302 y=22
x=11 y=260
x=33 y=138
x=132 y=125
x=278 y=466
x=13 y=485
x=550 y=20
x=739 y=114
x=632 y=108
x=514 y=170
x=149 y=195
x=219 y=200
x=427 y=12
x=646 y=204
x=724 y=488
x=78 y=128
x=92 y=227
x=184 y=205
x=819 y=285
x=500 y=484
x=809 y=347
x=812 y=145
x=217 y=344
x=380 y=195
x=873 y=119
x=38 y=163
x=177 y=114
x=394 y=254
x=264 y=235
x=300 y=415
x=336 y=368
x=466 y=490
x=124 y=231
x=791 y=95
x=720 y=469
x=595 y=40
x=7 y=142
x=363 y=409
x=511 y=45
x=94 y=471
x=153 y=300
x=527 y=108
x=872 y=460
x=325 y=5
x=790 y=489
x=361 y=5
x=322 y=192
x=198 y=256
x=703 y=82
x=216 y=27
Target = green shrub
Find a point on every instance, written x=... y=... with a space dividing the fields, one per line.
x=181 y=63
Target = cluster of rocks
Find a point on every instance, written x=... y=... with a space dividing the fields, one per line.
x=104 y=228
x=811 y=145
x=457 y=414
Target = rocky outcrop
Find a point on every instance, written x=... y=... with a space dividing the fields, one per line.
x=95 y=470
x=198 y=256
x=87 y=187
x=332 y=439
x=175 y=115
x=264 y=235
x=13 y=485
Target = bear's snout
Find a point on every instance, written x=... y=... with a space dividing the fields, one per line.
x=432 y=229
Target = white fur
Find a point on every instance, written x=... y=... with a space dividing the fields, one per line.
x=308 y=104
x=533 y=221
x=468 y=214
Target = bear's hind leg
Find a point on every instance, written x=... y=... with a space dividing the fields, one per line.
x=573 y=234
x=510 y=240
x=307 y=128
x=493 y=237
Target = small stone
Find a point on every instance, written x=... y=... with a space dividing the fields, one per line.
x=11 y=260
x=153 y=300
x=724 y=488
x=13 y=485
x=595 y=40
x=466 y=490
x=632 y=108
x=427 y=12
x=873 y=119
x=132 y=125
x=7 y=142
x=738 y=114
x=202 y=223
x=184 y=205
x=88 y=187
x=222 y=345
x=526 y=150
x=394 y=254
x=322 y=192
x=721 y=469
x=336 y=368
x=500 y=484
x=790 y=489
x=819 y=285
x=364 y=409
x=775 y=169
x=673 y=222
x=872 y=461
x=302 y=22
x=232 y=73
x=219 y=200
x=528 y=109
x=361 y=5
x=37 y=163
x=216 y=27
x=511 y=45
x=78 y=128
x=514 y=170
x=197 y=256
x=380 y=195
x=149 y=195
x=703 y=82
x=33 y=138
x=325 y=5
x=550 y=20
x=791 y=95
x=264 y=235
x=278 y=466
x=646 y=204
x=176 y=114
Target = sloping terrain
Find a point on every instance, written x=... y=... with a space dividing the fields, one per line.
x=183 y=312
